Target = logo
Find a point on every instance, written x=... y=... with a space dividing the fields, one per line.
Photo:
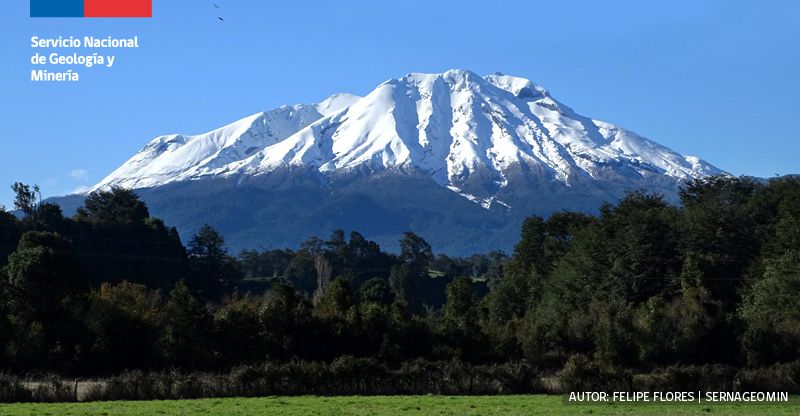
x=91 y=8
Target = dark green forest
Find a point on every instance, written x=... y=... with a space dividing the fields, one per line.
x=640 y=287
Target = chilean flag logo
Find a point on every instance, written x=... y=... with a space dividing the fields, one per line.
x=91 y=8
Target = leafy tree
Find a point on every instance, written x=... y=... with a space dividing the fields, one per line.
x=460 y=328
x=37 y=215
x=43 y=289
x=10 y=231
x=339 y=316
x=778 y=214
x=337 y=300
x=560 y=230
x=124 y=320
x=301 y=272
x=119 y=242
x=237 y=332
x=41 y=273
x=550 y=332
x=401 y=280
x=375 y=290
x=461 y=301
x=612 y=333
x=680 y=329
x=26 y=198
x=542 y=245
x=719 y=232
x=369 y=325
x=641 y=237
x=117 y=206
x=411 y=280
x=285 y=317
x=50 y=218
x=415 y=251
x=267 y=264
x=529 y=251
x=363 y=259
x=336 y=242
x=185 y=327
x=489 y=267
x=771 y=313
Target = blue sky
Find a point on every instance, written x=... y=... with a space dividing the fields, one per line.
x=716 y=79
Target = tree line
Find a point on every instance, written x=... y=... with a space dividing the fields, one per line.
x=641 y=286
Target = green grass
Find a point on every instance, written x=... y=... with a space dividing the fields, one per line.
x=396 y=405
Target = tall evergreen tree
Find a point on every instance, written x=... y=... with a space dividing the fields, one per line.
x=212 y=270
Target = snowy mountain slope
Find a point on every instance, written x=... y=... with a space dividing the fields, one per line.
x=481 y=137
x=176 y=157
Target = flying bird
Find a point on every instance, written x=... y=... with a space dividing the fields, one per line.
x=216 y=6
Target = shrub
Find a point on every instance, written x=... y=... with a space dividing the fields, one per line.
x=12 y=390
x=779 y=377
x=582 y=374
x=53 y=389
x=688 y=378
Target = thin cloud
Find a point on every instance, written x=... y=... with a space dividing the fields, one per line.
x=80 y=175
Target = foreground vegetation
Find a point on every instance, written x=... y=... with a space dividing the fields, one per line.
x=395 y=405
x=707 y=291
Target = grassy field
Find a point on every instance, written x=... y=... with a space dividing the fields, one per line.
x=405 y=405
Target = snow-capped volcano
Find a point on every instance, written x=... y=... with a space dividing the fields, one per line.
x=456 y=127
x=458 y=158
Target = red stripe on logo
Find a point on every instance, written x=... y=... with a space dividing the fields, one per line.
x=118 y=8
